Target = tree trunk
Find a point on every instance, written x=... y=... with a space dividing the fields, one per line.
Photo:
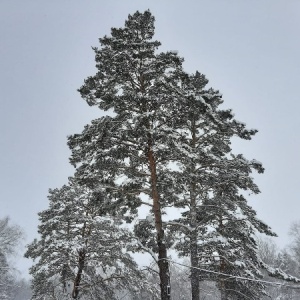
x=222 y=267
x=81 y=259
x=194 y=246
x=223 y=294
x=163 y=263
x=195 y=284
x=222 y=281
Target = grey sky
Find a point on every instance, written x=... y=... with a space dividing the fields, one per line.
x=249 y=50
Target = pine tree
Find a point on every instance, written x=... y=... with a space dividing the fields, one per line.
x=128 y=154
x=81 y=252
x=209 y=182
x=232 y=244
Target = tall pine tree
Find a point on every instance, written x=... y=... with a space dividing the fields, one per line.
x=209 y=182
x=217 y=224
x=130 y=152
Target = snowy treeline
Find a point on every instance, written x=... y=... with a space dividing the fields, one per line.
x=11 y=287
x=165 y=143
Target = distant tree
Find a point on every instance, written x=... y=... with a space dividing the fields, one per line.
x=129 y=153
x=6 y=278
x=267 y=251
x=283 y=262
x=10 y=236
x=21 y=289
x=295 y=243
x=81 y=253
x=180 y=282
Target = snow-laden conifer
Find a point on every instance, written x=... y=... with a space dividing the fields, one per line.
x=81 y=253
x=129 y=153
x=217 y=224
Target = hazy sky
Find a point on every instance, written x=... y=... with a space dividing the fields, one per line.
x=248 y=49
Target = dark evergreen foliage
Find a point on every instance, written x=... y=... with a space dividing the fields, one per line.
x=81 y=253
x=129 y=152
x=217 y=225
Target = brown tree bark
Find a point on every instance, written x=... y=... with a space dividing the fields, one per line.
x=77 y=280
x=163 y=263
x=222 y=280
x=195 y=284
x=222 y=267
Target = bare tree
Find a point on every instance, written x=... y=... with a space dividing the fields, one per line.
x=282 y=260
x=10 y=236
x=295 y=244
x=267 y=250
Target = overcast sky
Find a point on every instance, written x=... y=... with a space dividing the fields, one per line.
x=249 y=50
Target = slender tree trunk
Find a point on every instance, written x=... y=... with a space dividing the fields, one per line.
x=64 y=276
x=222 y=267
x=222 y=281
x=194 y=261
x=195 y=284
x=81 y=260
x=163 y=263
